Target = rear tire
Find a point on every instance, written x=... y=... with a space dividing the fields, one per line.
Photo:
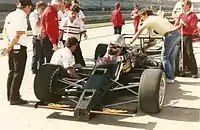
x=151 y=88
x=46 y=84
x=100 y=51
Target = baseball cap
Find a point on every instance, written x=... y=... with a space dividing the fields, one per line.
x=23 y=3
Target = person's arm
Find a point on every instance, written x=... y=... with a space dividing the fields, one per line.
x=82 y=16
x=193 y=23
x=83 y=29
x=138 y=33
x=34 y=19
x=52 y=28
x=14 y=40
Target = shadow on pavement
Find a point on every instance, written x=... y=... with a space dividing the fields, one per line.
x=174 y=93
x=179 y=114
x=106 y=120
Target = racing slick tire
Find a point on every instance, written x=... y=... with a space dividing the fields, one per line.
x=46 y=83
x=100 y=51
x=152 y=91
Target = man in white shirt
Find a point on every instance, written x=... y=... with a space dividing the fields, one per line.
x=15 y=28
x=38 y=51
x=160 y=12
x=80 y=13
x=73 y=26
x=172 y=39
x=65 y=58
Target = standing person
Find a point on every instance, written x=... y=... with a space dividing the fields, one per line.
x=38 y=50
x=73 y=26
x=15 y=31
x=50 y=28
x=189 y=20
x=160 y=12
x=171 y=43
x=136 y=17
x=80 y=13
x=117 y=19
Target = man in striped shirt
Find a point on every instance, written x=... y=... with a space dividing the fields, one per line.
x=72 y=26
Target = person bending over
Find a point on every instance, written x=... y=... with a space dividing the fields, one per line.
x=171 y=43
x=65 y=58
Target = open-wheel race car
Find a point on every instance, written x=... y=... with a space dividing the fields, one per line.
x=133 y=83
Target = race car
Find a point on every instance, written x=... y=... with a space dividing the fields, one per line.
x=130 y=84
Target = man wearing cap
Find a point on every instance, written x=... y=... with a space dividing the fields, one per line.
x=117 y=19
x=49 y=28
x=73 y=26
x=15 y=34
x=35 y=22
x=65 y=58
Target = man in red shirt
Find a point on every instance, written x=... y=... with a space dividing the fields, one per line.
x=136 y=17
x=50 y=28
x=117 y=19
x=189 y=20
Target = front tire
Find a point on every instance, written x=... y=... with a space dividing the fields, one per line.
x=46 y=82
x=152 y=90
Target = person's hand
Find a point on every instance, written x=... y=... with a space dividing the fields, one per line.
x=3 y=51
x=131 y=42
x=55 y=47
x=182 y=22
x=85 y=36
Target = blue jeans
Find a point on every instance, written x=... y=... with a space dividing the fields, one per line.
x=169 y=53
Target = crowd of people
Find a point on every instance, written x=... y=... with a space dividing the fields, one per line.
x=58 y=28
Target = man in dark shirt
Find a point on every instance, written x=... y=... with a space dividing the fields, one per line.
x=49 y=28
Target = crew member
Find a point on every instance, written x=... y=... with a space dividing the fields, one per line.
x=15 y=31
x=172 y=38
x=65 y=58
x=74 y=26
x=80 y=13
x=117 y=19
x=50 y=28
x=35 y=21
x=136 y=17
x=189 y=20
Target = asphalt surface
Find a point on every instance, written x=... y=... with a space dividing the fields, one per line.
x=181 y=110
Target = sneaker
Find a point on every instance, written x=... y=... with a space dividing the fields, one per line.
x=195 y=76
x=170 y=81
x=18 y=102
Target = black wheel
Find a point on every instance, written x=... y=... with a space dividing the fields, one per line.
x=152 y=90
x=100 y=50
x=46 y=83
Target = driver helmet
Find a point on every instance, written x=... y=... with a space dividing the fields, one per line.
x=116 y=44
x=117 y=40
